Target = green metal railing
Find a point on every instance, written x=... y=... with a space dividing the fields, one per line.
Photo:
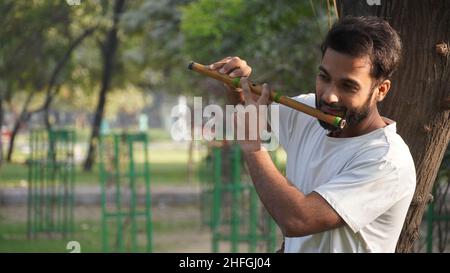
x=433 y=217
x=437 y=212
x=125 y=173
x=230 y=205
x=51 y=177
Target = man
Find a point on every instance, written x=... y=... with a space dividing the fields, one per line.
x=345 y=190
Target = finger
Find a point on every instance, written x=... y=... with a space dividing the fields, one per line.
x=231 y=64
x=235 y=94
x=265 y=95
x=216 y=66
x=226 y=59
x=241 y=72
x=246 y=90
x=239 y=93
x=238 y=90
x=219 y=64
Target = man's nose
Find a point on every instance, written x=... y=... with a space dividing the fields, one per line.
x=330 y=95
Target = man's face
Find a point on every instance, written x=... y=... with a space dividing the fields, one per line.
x=344 y=88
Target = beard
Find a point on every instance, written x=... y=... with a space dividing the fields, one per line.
x=352 y=116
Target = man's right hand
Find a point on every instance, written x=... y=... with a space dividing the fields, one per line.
x=233 y=67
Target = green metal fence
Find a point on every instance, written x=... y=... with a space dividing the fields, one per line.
x=434 y=217
x=230 y=205
x=125 y=187
x=51 y=177
x=438 y=214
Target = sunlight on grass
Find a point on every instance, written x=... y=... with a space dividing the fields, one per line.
x=168 y=165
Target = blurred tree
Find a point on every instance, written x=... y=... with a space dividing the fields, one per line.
x=108 y=50
x=147 y=49
x=36 y=46
x=279 y=39
x=150 y=51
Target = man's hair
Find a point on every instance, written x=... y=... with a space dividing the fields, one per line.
x=367 y=36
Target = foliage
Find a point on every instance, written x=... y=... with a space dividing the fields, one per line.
x=32 y=39
x=279 y=39
x=157 y=39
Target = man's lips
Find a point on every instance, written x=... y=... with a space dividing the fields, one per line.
x=334 y=112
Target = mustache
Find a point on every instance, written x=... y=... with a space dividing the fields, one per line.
x=332 y=106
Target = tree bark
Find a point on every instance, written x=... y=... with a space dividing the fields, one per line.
x=108 y=53
x=419 y=90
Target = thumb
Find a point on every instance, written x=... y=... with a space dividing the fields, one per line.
x=265 y=95
x=246 y=90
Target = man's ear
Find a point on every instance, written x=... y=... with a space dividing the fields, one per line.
x=383 y=89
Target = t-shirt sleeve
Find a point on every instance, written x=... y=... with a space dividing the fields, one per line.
x=288 y=120
x=364 y=190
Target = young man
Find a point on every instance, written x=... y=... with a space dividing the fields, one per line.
x=345 y=190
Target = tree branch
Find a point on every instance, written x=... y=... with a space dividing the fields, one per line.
x=58 y=68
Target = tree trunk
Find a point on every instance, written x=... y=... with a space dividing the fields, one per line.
x=154 y=112
x=23 y=117
x=108 y=54
x=46 y=107
x=419 y=91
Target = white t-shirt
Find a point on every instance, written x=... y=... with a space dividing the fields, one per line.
x=369 y=180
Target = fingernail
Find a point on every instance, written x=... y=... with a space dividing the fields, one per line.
x=232 y=74
x=222 y=70
x=210 y=67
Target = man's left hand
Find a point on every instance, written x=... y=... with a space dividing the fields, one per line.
x=245 y=122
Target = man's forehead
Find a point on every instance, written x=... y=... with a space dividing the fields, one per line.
x=333 y=60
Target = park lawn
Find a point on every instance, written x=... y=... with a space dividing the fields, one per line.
x=154 y=134
x=13 y=238
x=175 y=229
x=15 y=175
x=167 y=166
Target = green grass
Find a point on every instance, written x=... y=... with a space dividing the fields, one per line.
x=167 y=166
x=173 y=230
x=82 y=136
x=159 y=135
x=13 y=239
x=154 y=134
x=15 y=175
x=88 y=233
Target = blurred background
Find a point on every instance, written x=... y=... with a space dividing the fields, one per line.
x=87 y=89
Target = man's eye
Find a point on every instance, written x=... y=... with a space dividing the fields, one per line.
x=349 y=87
x=323 y=76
